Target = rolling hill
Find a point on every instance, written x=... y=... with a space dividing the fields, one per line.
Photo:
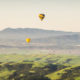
x=15 y=38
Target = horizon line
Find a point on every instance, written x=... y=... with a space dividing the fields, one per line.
x=38 y=29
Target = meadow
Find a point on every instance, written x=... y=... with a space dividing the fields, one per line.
x=38 y=65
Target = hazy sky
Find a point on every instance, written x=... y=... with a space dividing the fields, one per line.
x=60 y=14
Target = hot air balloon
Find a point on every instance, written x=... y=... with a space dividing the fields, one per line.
x=41 y=16
x=28 y=40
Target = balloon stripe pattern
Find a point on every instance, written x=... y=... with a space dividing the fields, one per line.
x=41 y=16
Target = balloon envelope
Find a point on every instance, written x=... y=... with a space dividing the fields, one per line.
x=41 y=16
x=28 y=40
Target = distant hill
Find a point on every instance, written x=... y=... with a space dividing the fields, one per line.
x=10 y=38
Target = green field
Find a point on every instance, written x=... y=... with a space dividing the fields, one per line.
x=42 y=66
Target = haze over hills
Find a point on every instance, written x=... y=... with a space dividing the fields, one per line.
x=15 y=38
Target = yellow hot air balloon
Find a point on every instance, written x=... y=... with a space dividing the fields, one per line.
x=41 y=16
x=28 y=40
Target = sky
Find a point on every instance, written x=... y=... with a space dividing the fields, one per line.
x=63 y=15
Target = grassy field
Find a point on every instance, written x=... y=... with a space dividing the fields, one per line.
x=39 y=66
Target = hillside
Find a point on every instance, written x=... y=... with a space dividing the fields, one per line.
x=39 y=67
x=45 y=39
x=49 y=55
